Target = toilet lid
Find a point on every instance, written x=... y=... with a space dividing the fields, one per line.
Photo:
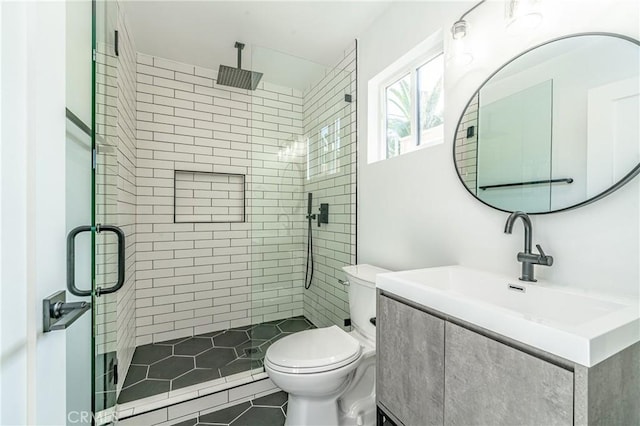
x=319 y=349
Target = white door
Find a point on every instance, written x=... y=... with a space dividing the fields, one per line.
x=45 y=189
x=33 y=364
x=613 y=133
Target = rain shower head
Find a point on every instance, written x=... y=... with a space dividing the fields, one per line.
x=237 y=77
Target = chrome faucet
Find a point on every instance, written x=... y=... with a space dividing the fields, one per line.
x=527 y=258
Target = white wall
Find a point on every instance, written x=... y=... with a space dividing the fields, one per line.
x=412 y=210
x=33 y=215
x=13 y=345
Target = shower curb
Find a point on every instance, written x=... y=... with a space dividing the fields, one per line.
x=172 y=413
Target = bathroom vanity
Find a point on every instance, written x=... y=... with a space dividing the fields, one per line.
x=445 y=358
x=457 y=346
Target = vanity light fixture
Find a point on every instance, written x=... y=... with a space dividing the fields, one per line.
x=459 y=52
x=459 y=29
x=522 y=15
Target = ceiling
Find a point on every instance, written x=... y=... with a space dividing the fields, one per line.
x=203 y=33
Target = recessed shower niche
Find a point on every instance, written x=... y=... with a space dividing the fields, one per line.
x=208 y=197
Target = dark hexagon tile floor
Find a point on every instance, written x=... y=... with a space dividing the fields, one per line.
x=178 y=363
x=270 y=410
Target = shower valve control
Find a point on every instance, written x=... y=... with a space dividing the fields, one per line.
x=323 y=216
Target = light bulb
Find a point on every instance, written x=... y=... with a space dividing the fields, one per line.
x=459 y=29
x=459 y=53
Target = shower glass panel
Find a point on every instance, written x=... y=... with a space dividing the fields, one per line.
x=219 y=219
x=329 y=120
x=78 y=213
x=105 y=209
x=524 y=119
x=302 y=141
x=78 y=200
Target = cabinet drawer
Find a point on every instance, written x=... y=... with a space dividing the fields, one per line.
x=487 y=382
x=410 y=369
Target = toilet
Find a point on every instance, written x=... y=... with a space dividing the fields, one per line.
x=329 y=373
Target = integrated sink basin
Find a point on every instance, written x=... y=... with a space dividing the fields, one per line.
x=579 y=326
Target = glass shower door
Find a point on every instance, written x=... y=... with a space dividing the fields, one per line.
x=107 y=267
x=304 y=142
x=91 y=205
x=78 y=203
x=78 y=213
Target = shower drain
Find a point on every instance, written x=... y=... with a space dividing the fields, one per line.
x=251 y=351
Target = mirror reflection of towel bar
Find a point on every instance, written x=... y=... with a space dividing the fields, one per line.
x=532 y=182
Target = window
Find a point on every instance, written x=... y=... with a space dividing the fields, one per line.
x=406 y=102
x=398 y=115
x=413 y=108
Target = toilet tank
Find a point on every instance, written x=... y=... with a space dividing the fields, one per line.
x=362 y=297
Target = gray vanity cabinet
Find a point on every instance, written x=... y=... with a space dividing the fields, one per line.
x=433 y=369
x=410 y=368
x=490 y=383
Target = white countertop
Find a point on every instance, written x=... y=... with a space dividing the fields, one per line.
x=577 y=325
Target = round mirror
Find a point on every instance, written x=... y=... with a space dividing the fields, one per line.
x=556 y=127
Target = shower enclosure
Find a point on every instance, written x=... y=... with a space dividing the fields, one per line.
x=209 y=185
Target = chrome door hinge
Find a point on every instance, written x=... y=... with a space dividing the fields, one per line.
x=93 y=55
x=94 y=160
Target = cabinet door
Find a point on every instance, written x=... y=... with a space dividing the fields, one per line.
x=410 y=351
x=489 y=383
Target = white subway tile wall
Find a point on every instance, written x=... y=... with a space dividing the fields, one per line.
x=194 y=278
x=275 y=203
x=106 y=193
x=467 y=147
x=127 y=190
x=330 y=129
x=116 y=192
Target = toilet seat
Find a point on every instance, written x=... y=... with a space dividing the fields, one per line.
x=313 y=351
x=367 y=344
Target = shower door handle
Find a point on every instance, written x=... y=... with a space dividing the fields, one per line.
x=71 y=259
x=121 y=259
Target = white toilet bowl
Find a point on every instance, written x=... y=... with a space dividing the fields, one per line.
x=316 y=382
x=328 y=373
